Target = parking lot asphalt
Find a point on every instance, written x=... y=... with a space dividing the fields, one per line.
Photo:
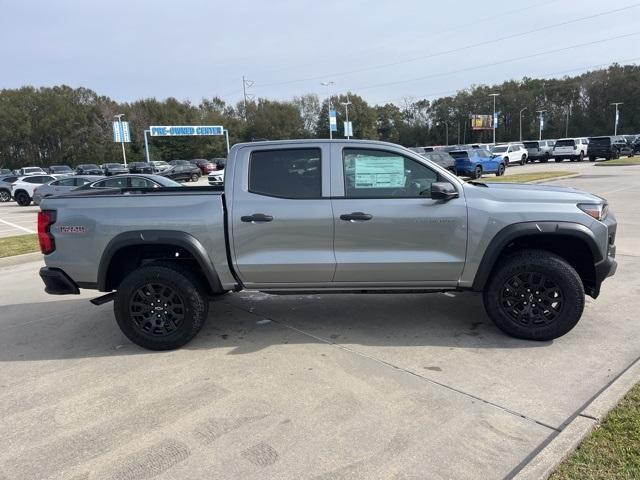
x=308 y=386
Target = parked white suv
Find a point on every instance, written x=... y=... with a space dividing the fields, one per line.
x=570 y=148
x=511 y=153
x=31 y=171
x=22 y=189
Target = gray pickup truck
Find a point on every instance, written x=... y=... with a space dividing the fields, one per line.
x=329 y=216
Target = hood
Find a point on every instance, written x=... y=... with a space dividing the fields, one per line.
x=534 y=193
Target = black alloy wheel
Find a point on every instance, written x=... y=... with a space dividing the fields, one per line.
x=531 y=299
x=156 y=310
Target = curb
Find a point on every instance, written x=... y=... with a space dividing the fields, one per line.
x=617 y=165
x=550 y=457
x=20 y=259
x=552 y=179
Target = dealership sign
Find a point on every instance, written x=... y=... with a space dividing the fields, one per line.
x=185 y=130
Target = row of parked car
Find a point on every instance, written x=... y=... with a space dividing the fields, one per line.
x=477 y=159
x=31 y=184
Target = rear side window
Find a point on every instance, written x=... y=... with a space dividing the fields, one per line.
x=290 y=173
x=67 y=182
x=461 y=155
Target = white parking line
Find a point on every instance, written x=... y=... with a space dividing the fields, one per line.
x=28 y=230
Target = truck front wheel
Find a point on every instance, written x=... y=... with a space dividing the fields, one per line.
x=535 y=295
x=160 y=306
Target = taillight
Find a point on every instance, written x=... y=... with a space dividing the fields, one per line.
x=46 y=218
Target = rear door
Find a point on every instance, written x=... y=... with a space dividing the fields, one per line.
x=386 y=232
x=281 y=218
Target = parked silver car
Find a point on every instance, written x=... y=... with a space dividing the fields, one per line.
x=62 y=185
x=541 y=150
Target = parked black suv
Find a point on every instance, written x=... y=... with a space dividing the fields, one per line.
x=182 y=172
x=141 y=167
x=114 y=169
x=441 y=158
x=60 y=169
x=608 y=148
x=88 y=169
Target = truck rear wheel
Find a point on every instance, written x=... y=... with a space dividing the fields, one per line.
x=535 y=295
x=160 y=306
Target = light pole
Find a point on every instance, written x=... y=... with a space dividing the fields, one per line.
x=124 y=154
x=328 y=85
x=615 y=125
x=346 y=111
x=540 y=112
x=566 y=125
x=494 y=119
x=521 y=110
x=146 y=144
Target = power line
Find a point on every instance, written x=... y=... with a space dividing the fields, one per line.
x=501 y=62
x=455 y=50
x=429 y=34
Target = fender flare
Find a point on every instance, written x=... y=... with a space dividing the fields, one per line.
x=527 y=229
x=151 y=237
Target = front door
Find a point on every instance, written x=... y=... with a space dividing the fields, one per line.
x=387 y=228
x=281 y=218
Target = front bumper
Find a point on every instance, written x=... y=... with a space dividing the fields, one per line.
x=56 y=282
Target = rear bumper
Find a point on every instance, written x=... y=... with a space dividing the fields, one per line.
x=56 y=282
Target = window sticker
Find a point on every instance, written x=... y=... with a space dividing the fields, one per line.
x=379 y=172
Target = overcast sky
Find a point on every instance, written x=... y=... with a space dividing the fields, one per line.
x=384 y=51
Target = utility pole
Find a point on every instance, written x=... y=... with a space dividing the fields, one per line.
x=458 y=138
x=615 y=125
x=521 y=110
x=346 y=111
x=328 y=84
x=124 y=154
x=540 y=112
x=246 y=84
x=446 y=132
x=494 y=120
x=566 y=125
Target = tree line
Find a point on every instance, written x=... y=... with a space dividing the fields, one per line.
x=64 y=125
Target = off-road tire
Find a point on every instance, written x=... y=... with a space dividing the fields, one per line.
x=178 y=278
x=560 y=275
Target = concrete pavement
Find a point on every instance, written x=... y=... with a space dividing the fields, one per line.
x=311 y=386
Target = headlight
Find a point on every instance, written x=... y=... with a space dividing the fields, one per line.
x=595 y=210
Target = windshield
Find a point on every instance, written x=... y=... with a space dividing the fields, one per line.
x=166 y=182
x=499 y=149
x=32 y=169
x=600 y=140
x=530 y=144
x=460 y=154
x=565 y=143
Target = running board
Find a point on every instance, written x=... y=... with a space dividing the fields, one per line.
x=103 y=299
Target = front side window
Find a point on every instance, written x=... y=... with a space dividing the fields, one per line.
x=290 y=173
x=380 y=174
x=67 y=182
x=142 y=183
x=112 y=183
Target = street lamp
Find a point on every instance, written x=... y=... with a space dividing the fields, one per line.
x=346 y=111
x=494 y=119
x=615 y=127
x=521 y=110
x=328 y=84
x=540 y=112
x=121 y=130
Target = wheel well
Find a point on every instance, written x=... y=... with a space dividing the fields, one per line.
x=21 y=190
x=572 y=249
x=129 y=258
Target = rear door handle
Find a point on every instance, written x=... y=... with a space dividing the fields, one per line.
x=256 y=217
x=356 y=216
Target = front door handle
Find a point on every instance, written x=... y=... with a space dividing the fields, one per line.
x=256 y=217
x=356 y=216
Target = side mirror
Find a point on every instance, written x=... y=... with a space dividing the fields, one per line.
x=443 y=191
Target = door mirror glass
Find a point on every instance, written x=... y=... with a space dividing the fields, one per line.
x=442 y=191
